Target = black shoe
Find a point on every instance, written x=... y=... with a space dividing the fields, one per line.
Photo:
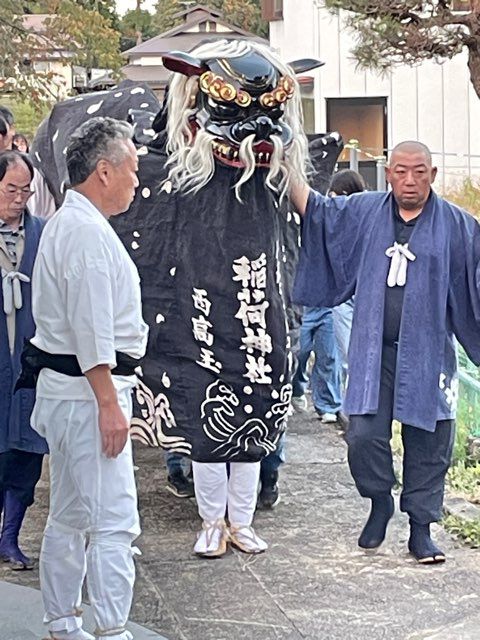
x=374 y=531
x=422 y=547
x=269 y=495
x=342 y=421
x=180 y=486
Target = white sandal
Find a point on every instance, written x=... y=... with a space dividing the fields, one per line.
x=245 y=539
x=212 y=539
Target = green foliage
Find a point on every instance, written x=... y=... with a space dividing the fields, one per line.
x=466 y=195
x=245 y=14
x=77 y=34
x=460 y=449
x=86 y=35
x=464 y=480
x=164 y=17
x=106 y=8
x=133 y=22
x=27 y=116
x=18 y=48
x=466 y=530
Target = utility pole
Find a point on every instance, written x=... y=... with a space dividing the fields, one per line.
x=138 y=31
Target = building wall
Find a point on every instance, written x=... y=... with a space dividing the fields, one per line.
x=434 y=103
x=61 y=82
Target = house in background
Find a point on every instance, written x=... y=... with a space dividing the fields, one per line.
x=199 y=23
x=49 y=59
x=431 y=102
x=65 y=77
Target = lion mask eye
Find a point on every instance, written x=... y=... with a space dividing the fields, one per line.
x=223 y=109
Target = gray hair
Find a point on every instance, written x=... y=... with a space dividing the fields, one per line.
x=94 y=140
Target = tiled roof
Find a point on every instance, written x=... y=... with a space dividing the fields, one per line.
x=182 y=39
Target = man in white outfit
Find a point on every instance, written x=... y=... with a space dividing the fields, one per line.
x=86 y=306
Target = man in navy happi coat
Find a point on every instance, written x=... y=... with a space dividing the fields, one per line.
x=21 y=449
x=412 y=261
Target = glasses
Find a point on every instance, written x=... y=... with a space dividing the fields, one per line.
x=11 y=191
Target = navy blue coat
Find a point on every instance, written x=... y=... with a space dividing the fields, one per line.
x=343 y=252
x=15 y=410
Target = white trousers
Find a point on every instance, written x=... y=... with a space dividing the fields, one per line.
x=217 y=494
x=92 y=521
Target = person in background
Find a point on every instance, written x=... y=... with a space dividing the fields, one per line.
x=21 y=448
x=41 y=202
x=317 y=335
x=344 y=183
x=7 y=129
x=20 y=143
x=5 y=137
x=179 y=480
x=269 y=494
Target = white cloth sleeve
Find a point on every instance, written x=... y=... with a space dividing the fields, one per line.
x=90 y=308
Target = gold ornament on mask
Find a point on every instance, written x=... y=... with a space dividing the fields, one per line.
x=267 y=100
x=288 y=85
x=243 y=99
x=283 y=92
x=221 y=90
x=216 y=87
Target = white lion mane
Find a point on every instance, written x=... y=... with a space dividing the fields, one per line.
x=191 y=159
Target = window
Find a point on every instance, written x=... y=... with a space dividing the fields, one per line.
x=272 y=10
x=362 y=119
x=308 y=102
x=365 y=120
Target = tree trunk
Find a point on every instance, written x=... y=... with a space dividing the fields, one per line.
x=474 y=45
x=474 y=66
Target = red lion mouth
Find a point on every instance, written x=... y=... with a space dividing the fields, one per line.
x=228 y=153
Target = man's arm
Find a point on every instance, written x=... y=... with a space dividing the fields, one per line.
x=90 y=313
x=111 y=420
x=299 y=196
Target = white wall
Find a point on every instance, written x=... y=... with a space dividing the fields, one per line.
x=434 y=103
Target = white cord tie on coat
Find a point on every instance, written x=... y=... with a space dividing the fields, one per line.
x=12 y=290
x=400 y=255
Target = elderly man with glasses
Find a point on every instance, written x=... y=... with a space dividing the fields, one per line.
x=21 y=448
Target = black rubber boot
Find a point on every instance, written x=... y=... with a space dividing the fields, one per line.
x=269 y=495
x=374 y=531
x=13 y=514
x=421 y=545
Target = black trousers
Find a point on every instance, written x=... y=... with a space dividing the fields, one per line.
x=427 y=455
x=19 y=473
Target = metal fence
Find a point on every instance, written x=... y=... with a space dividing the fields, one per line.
x=469 y=391
x=450 y=171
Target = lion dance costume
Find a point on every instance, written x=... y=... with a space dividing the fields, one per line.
x=215 y=242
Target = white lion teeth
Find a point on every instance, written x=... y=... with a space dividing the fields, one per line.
x=231 y=153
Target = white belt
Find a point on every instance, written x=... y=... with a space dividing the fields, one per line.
x=400 y=255
x=12 y=290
